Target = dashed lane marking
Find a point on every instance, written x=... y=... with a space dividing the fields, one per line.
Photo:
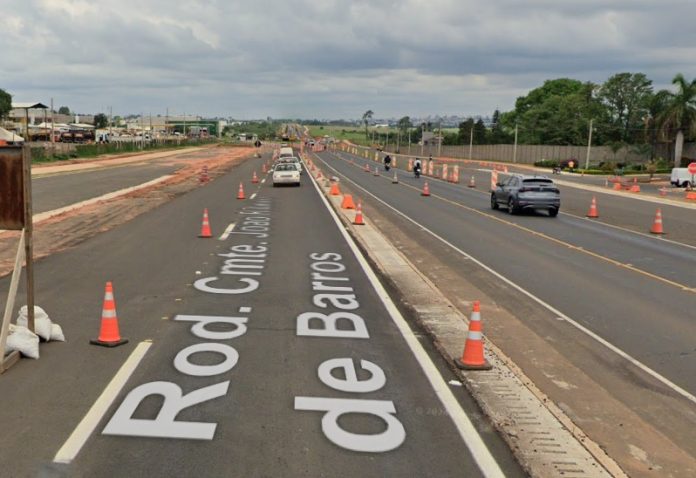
x=227 y=232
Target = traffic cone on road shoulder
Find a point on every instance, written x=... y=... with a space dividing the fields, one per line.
x=334 y=190
x=426 y=189
x=367 y=168
x=240 y=193
x=472 y=182
x=205 y=227
x=376 y=173
x=657 y=223
x=254 y=178
x=592 y=213
x=109 y=335
x=358 y=221
x=347 y=202
x=472 y=357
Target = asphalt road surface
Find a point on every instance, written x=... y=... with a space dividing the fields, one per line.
x=238 y=368
x=599 y=314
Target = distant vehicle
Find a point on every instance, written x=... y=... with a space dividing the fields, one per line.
x=286 y=151
x=681 y=177
x=520 y=192
x=286 y=173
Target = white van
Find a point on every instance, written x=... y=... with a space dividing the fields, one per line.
x=286 y=152
x=681 y=177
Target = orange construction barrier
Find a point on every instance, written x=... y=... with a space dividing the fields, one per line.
x=691 y=195
x=205 y=227
x=334 y=190
x=347 y=202
x=240 y=193
x=358 y=221
x=109 y=335
x=617 y=186
x=426 y=189
x=657 y=223
x=472 y=357
x=592 y=213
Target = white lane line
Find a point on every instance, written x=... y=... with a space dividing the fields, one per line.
x=263 y=180
x=252 y=196
x=588 y=332
x=82 y=432
x=227 y=232
x=483 y=457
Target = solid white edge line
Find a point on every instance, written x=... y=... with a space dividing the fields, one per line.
x=227 y=232
x=472 y=439
x=549 y=307
x=85 y=428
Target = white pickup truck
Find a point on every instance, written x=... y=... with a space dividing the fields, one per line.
x=681 y=177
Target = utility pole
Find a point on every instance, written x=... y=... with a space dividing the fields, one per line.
x=471 y=141
x=514 y=149
x=589 y=145
x=409 y=141
x=53 y=139
x=422 y=137
x=142 y=131
x=439 y=140
x=111 y=120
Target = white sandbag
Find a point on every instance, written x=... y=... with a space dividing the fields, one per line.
x=24 y=341
x=42 y=324
x=57 y=333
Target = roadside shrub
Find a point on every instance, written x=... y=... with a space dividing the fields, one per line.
x=546 y=163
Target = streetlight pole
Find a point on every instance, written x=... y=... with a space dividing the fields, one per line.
x=439 y=140
x=514 y=149
x=422 y=137
x=471 y=140
x=589 y=145
x=409 y=141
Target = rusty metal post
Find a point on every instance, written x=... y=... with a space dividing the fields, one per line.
x=29 y=231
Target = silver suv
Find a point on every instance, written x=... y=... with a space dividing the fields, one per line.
x=521 y=192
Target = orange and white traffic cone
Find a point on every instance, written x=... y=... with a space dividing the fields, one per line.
x=376 y=173
x=205 y=227
x=592 y=213
x=472 y=357
x=472 y=182
x=657 y=224
x=254 y=179
x=358 y=221
x=367 y=168
x=204 y=174
x=395 y=179
x=334 y=190
x=109 y=335
x=240 y=193
x=426 y=189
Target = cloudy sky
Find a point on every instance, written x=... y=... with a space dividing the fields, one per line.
x=329 y=58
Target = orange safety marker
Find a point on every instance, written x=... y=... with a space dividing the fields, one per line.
x=376 y=173
x=205 y=227
x=367 y=168
x=635 y=188
x=358 y=221
x=204 y=174
x=472 y=357
x=592 y=213
x=254 y=179
x=657 y=223
x=347 y=202
x=426 y=189
x=240 y=193
x=109 y=335
x=334 y=190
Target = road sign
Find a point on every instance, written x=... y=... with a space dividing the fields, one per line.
x=692 y=168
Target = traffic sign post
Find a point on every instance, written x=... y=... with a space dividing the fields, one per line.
x=692 y=170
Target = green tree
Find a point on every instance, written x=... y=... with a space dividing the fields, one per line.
x=558 y=112
x=480 y=132
x=366 y=117
x=63 y=110
x=5 y=103
x=679 y=117
x=100 y=121
x=404 y=124
x=497 y=134
x=627 y=97
x=465 y=128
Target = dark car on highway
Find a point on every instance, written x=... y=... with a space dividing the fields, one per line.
x=519 y=192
